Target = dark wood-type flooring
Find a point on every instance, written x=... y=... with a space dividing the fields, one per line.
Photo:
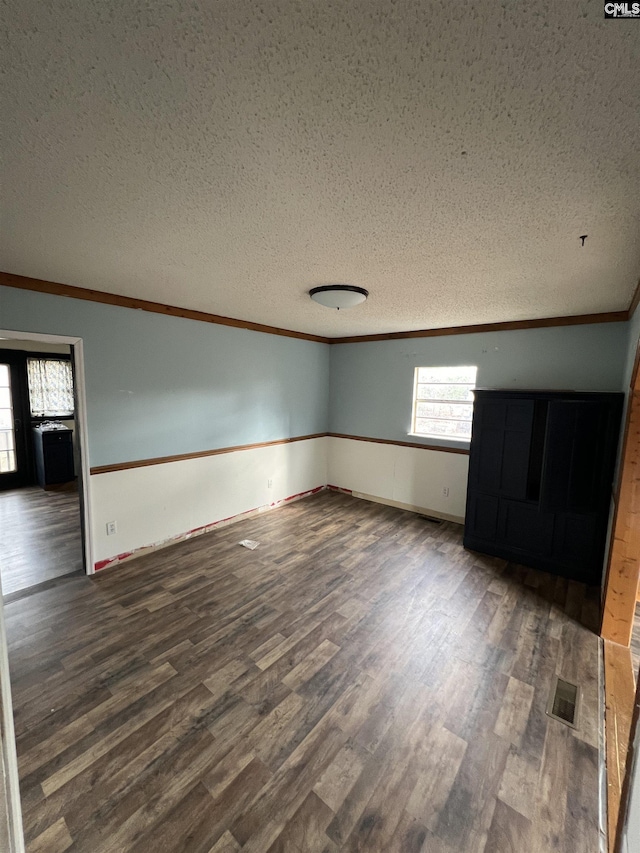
x=40 y=536
x=359 y=682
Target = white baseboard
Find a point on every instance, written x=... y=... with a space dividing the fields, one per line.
x=421 y=510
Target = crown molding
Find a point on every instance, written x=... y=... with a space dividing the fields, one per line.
x=55 y=288
x=635 y=301
x=542 y=323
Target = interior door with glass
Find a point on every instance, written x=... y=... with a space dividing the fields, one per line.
x=14 y=462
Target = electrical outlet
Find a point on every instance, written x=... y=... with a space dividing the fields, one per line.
x=112 y=527
x=269 y=484
x=445 y=491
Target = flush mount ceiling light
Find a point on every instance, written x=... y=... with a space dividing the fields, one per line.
x=338 y=295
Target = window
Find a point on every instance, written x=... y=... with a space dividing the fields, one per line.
x=443 y=402
x=50 y=387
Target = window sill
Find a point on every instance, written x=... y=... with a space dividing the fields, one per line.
x=445 y=439
x=442 y=441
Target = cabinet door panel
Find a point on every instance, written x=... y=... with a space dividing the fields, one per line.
x=59 y=462
x=579 y=544
x=523 y=527
x=500 y=457
x=54 y=456
x=573 y=458
x=515 y=463
x=492 y=413
x=482 y=517
x=518 y=415
x=488 y=461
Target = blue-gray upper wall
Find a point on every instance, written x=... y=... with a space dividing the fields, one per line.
x=160 y=386
x=371 y=385
x=632 y=346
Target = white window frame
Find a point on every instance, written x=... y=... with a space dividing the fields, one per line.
x=441 y=436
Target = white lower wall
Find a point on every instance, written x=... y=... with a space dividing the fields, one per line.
x=160 y=502
x=410 y=476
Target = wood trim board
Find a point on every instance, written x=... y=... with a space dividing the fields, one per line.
x=619 y=686
x=22 y=282
x=621 y=582
x=542 y=323
x=199 y=454
x=419 y=445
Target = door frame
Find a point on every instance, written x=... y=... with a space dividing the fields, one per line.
x=77 y=359
x=622 y=574
x=618 y=610
x=11 y=802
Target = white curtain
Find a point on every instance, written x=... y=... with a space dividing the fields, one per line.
x=50 y=387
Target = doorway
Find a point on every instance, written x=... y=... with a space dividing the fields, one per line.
x=44 y=473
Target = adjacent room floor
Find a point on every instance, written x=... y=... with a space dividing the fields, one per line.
x=358 y=682
x=40 y=536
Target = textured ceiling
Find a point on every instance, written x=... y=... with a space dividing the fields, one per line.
x=228 y=156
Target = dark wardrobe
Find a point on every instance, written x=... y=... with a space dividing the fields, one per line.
x=540 y=475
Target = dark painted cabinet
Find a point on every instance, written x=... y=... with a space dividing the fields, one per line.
x=540 y=474
x=54 y=456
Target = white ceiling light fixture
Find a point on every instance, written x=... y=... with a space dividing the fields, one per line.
x=338 y=295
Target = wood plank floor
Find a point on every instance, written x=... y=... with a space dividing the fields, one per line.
x=40 y=536
x=359 y=682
